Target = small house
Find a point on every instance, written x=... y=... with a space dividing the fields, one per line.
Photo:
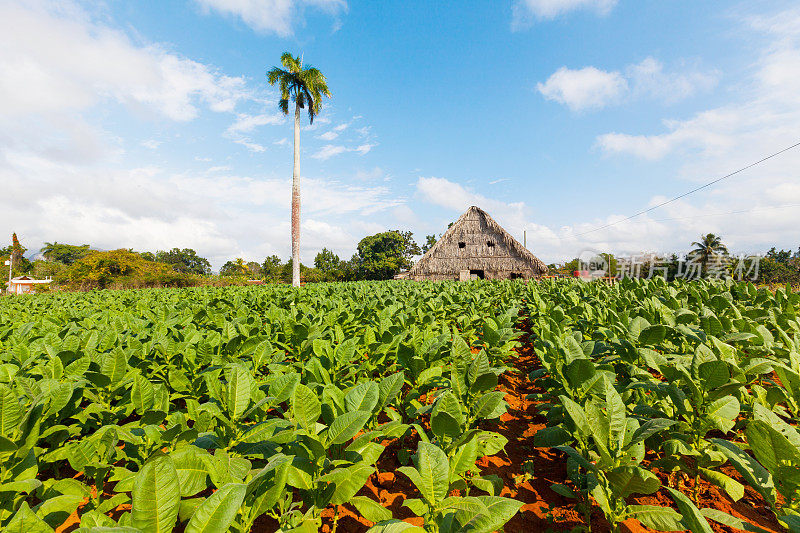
x=25 y=285
x=477 y=247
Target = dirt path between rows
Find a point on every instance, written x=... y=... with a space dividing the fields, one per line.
x=528 y=472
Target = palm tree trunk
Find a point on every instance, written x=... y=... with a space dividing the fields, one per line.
x=296 y=201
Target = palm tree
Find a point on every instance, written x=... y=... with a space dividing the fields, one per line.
x=710 y=247
x=305 y=87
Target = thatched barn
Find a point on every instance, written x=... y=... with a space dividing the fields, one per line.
x=477 y=247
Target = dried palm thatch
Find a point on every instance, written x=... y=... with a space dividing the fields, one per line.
x=477 y=246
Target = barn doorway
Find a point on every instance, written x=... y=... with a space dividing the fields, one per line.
x=478 y=273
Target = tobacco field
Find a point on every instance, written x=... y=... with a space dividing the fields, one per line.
x=398 y=407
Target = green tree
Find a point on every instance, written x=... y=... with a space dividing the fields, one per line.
x=237 y=267
x=64 y=253
x=708 y=249
x=271 y=268
x=15 y=252
x=305 y=87
x=327 y=261
x=122 y=268
x=782 y=256
x=383 y=255
x=430 y=240
x=186 y=261
x=253 y=269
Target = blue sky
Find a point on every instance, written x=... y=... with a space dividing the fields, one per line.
x=150 y=125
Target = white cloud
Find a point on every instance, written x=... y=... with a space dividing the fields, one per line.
x=54 y=70
x=364 y=148
x=220 y=215
x=247 y=123
x=586 y=88
x=328 y=136
x=451 y=195
x=151 y=144
x=51 y=64
x=272 y=16
x=649 y=78
x=250 y=145
x=373 y=174
x=328 y=151
x=341 y=127
x=592 y=88
x=525 y=11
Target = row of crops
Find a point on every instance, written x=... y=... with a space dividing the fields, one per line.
x=679 y=379
x=240 y=408
x=264 y=408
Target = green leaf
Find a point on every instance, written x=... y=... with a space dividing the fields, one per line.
x=395 y=526
x=490 y=405
x=115 y=366
x=713 y=374
x=389 y=387
x=731 y=521
x=652 y=335
x=449 y=404
x=362 y=397
x=55 y=511
x=579 y=371
x=238 y=391
x=756 y=475
x=723 y=413
x=628 y=480
x=616 y=413
x=306 y=407
x=563 y=490
x=734 y=489
x=217 y=512
x=649 y=428
x=776 y=422
x=500 y=511
x=349 y=481
x=478 y=367
x=10 y=411
x=657 y=517
x=434 y=472
x=576 y=414
x=142 y=394
x=551 y=436
x=282 y=387
x=345 y=426
x=25 y=521
x=191 y=468
x=156 y=496
x=370 y=509
x=773 y=450
x=463 y=458
x=692 y=520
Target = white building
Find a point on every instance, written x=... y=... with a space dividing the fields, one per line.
x=25 y=285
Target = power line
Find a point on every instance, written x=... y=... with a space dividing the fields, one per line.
x=755 y=209
x=710 y=183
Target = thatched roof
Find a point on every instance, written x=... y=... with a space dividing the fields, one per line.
x=477 y=241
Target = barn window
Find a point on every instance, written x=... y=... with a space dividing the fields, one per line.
x=462 y=245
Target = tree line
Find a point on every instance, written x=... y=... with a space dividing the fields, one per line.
x=378 y=257
x=708 y=258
